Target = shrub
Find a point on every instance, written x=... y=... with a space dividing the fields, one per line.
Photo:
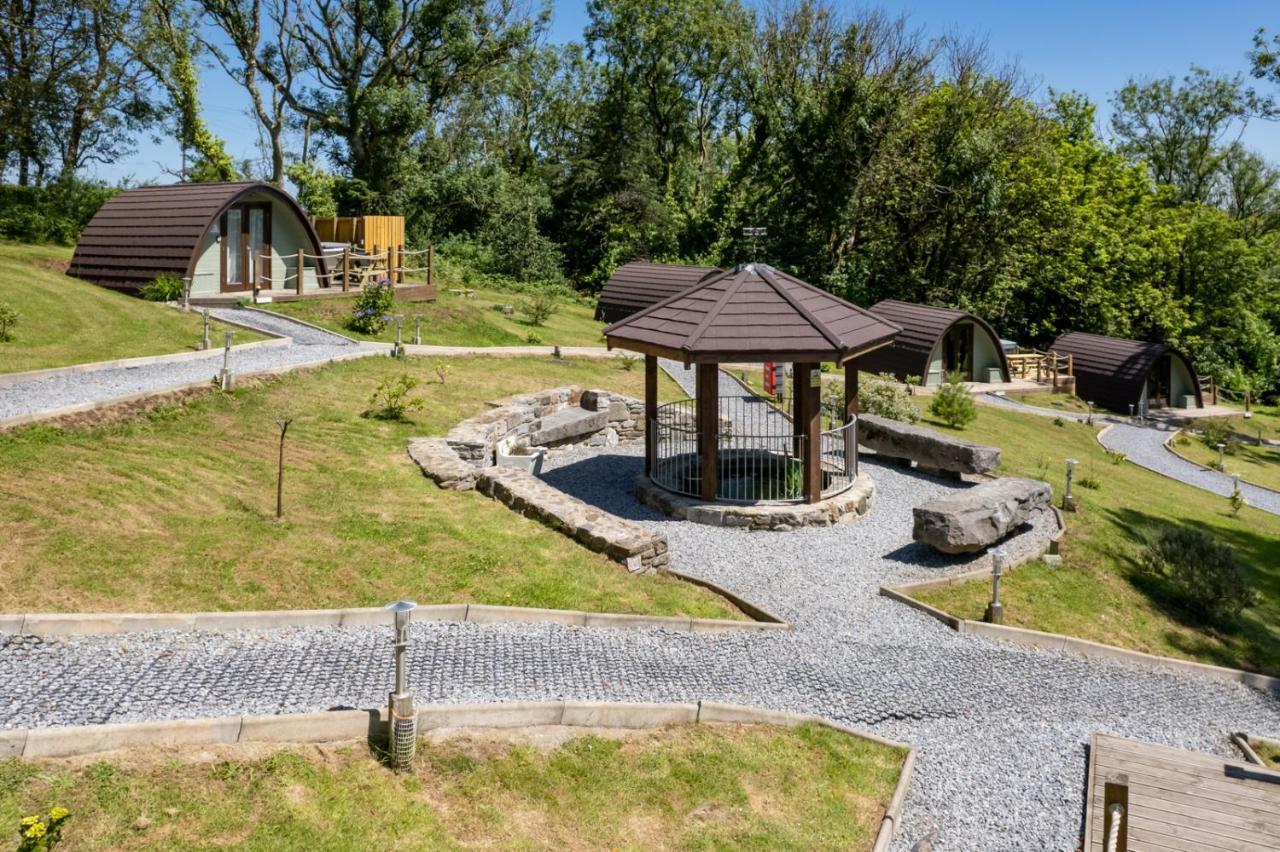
x=627 y=362
x=1217 y=430
x=953 y=404
x=884 y=397
x=8 y=321
x=539 y=307
x=41 y=834
x=165 y=288
x=533 y=339
x=372 y=310
x=391 y=400
x=1202 y=571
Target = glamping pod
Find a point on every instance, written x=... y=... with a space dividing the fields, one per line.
x=1115 y=373
x=936 y=342
x=636 y=286
x=222 y=236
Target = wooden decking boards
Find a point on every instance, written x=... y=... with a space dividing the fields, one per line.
x=1181 y=801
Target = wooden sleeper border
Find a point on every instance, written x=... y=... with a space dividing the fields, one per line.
x=340 y=725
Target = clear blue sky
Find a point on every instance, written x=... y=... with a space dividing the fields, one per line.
x=1092 y=46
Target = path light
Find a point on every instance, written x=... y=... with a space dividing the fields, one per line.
x=402 y=717
x=204 y=343
x=1090 y=420
x=1069 y=502
x=224 y=378
x=1222 y=463
x=417 y=329
x=397 y=351
x=995 y=609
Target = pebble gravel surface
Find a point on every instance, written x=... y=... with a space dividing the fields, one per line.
x=1001 y=729
x=308 y=346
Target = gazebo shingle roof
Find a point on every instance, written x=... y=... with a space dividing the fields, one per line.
x=752 y=313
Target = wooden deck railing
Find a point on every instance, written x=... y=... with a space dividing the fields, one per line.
x=1209 y=389
x=1042 y=367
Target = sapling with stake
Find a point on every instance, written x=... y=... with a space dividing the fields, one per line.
x=282 y=421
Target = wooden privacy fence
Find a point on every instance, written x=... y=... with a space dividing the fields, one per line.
x=374 y=237
x=1041 y=367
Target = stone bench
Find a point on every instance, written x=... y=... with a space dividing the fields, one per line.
x=568 y=425
x=640 y=550
x=977 y=517
x=928 y=448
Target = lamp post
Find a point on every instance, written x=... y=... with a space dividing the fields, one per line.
x=1090 y=420
x=402 y=716
x=995 y=609
x=1222 y=462
x=1068 y=501
x=397 y=351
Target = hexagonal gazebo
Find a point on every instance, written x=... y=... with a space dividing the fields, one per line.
x=739 y=449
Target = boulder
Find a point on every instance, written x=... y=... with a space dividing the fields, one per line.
x=926 y=447
x=568 y=424
x=978 y=517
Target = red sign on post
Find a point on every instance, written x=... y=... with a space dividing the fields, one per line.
x=771 y=378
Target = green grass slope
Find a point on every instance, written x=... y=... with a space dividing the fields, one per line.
x=63 y=320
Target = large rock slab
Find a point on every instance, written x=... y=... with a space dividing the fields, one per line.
x=980 y=516
x=926 y=447
x=568 y=424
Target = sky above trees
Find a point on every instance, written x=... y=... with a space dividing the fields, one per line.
x=1091 y=46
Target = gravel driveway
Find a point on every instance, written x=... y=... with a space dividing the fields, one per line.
x=1001 y=729
x=308 y=346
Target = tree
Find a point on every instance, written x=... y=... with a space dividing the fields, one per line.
x=1182 y=130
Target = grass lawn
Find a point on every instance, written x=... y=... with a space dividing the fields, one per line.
x=1259 y=465
x=63 y=320
x=689 y=787
x=1098 y=594
x=174 y=510
x=1267 y=750
x=458 y=321
x=1057 y=401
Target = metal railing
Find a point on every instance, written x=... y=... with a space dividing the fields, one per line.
x=760 y=457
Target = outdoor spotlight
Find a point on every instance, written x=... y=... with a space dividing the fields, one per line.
x=1090 y=404
x=1069 y=502
x=402 y=716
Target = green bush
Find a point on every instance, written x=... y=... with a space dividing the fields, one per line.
x=539 y=307
x=1217 y=430
x=953 y=404
x=8 y=321
x=1203 y=572
x=56 y=213
x=165 y=288
x=882 y=396
x=390 y=399
x=372 y=310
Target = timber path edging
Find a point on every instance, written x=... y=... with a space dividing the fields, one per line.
x=83 y=624
x=1059 y=642
x=342 y=725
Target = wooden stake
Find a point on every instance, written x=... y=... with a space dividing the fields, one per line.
x=346 y=270
x=301 y=263
x=283 y=423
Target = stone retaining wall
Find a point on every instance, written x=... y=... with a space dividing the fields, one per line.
x=841 y=509
x=476 y=439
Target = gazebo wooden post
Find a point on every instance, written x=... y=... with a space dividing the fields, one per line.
x=708 y=403
x=811 y=424
x=797 y=411
x=650 y=411
x=850 y=389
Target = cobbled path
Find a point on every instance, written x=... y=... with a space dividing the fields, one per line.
x=1001 y=729
x=308 y=346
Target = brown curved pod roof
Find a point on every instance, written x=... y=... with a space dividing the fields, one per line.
x=752 y=313
x=1111 y=371
x=923 y=327
x=158 y=230
x=636 y=286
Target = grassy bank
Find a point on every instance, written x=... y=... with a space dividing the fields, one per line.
x=1100 y=594
x=693 y=787
x=1268 y=751
x=64 y=320
x=1259 y=465
x=175 y=510
x=458 y=321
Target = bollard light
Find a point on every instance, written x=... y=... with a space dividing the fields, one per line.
x=995 y=610
x=1069 y=502
x=224 y=378
x=1222 y=462
x=1131 y=412
x=402 y=716
x=204 y=342
x=417 y=329
x=397 y=351
x=1090 y=420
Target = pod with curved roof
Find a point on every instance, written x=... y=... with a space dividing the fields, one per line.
x=220 y=235
x=635 y=286
x=936 y=342
x=1115 y=373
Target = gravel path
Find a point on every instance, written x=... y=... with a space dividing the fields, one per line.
x=1001 y=729
x=309 y=346
x=1145 y=447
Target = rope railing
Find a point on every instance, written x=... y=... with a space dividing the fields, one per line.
x=1116 y=815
